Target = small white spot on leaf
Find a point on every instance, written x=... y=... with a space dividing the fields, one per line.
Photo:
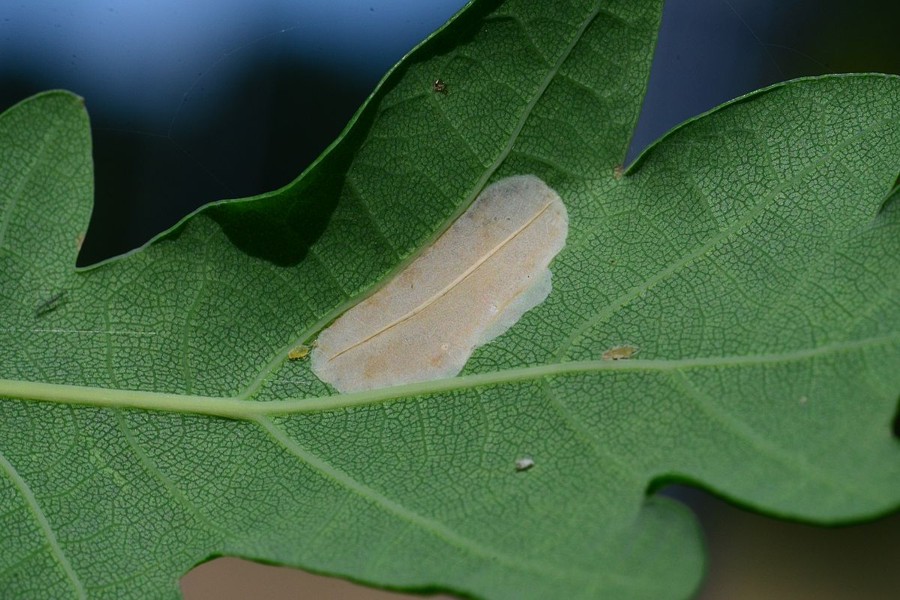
x=524 y=463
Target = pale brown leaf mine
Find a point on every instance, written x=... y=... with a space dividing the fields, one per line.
x=470 y=286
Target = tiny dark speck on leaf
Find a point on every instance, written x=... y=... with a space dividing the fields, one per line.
x=439 y=87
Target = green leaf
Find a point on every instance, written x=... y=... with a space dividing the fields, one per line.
x=150 y=418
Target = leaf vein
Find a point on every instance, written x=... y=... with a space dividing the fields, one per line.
x=712 y=242
x=435 y=528
x=41 y=518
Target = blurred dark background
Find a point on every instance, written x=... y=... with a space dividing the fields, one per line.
x=192 y=102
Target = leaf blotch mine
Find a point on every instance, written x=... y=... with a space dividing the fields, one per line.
x=471 y=285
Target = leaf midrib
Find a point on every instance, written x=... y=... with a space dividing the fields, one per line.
x=234 y=407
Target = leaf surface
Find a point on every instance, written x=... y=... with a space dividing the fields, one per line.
x=150 y=418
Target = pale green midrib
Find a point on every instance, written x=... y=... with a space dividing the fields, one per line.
x=501 y=157
x=44 y=524
x=237 y=408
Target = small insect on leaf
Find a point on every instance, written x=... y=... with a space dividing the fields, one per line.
x=49 y=304
x=524 y=463
x=298 y=352
x=620 y=352
x=439 y=87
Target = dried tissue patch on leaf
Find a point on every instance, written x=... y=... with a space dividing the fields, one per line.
x=470 y=286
